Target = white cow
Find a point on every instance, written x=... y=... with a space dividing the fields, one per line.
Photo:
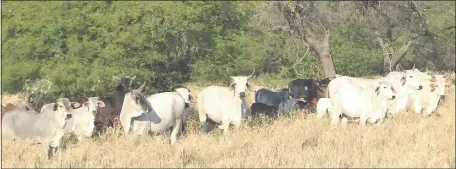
x=47 y=126
x=323 y=106
x=223 y=105
x=82 y=123
x=169 y=110
x=134 y=105
x=427 y=100
x=404 y=83
x=368 y=102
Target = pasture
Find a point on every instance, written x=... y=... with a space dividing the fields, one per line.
x=295 y=140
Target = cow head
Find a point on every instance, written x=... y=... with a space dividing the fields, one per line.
x=63 y=105
x=386 y=90
x=186 y=94
x=92 y=104
x=136 y=99
x=412 y=79
x=239 y=84
x=437 y=83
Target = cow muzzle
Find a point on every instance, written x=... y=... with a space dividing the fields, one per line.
x=242 y=94
x=442 y=97
x=393 y=97
x=420 y=87
x=68 y=116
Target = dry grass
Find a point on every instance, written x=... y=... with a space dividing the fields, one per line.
x=297 y=140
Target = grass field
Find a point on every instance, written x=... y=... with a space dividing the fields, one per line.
x=298 y=140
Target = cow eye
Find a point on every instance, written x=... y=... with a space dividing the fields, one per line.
x=411 y=76
x=384 y=87
x=61 y=106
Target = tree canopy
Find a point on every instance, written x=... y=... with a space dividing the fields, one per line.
x=84 y=44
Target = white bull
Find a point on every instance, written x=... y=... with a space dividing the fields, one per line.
x=366 y=102
x=427 y=100
x=169 y=110
x=47 y=126
x=223 y=105
x=323 y=106
x=82 y=123
x=134 y=105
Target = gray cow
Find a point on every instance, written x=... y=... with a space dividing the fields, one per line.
x=47 y=126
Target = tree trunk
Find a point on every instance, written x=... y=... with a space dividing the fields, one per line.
x=322 y=49
x=400 y=53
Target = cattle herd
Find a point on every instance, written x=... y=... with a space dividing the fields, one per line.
x=342 y=97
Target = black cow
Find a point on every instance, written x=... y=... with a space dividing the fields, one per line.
x=261 y=108
x=303 y=88
x=280 y=100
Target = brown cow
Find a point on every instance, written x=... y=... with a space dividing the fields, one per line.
x=8 y=108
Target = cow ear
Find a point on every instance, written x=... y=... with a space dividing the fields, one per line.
x=394 y=90
x=101 y=104
x=432 y=85
x=75 y=105
x=232 y=86
x=55 y=107
x=249 y=86
x=86 y=104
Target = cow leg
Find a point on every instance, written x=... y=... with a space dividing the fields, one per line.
x=335 y=116
x=182 y=131
x=320 y=113
x=54 y=143
x=344 y=121
x=363 y=119
x=430 y=108
x=176 y=128
x=417 y=106
x=125 y=121
x=226 y=126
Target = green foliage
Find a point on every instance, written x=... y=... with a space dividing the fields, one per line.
x=354 y=51
x=82 y=45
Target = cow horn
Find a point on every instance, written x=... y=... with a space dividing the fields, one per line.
x=253 y=72
x=228 y=72
x=141 y=88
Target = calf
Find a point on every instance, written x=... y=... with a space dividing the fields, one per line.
x=261 y=108
x=323 y=106
x=280 y=100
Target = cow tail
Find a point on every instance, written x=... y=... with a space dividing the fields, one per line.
x=256 y=97
x=201 y=113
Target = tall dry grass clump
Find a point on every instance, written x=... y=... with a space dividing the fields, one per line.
x=297 y=140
